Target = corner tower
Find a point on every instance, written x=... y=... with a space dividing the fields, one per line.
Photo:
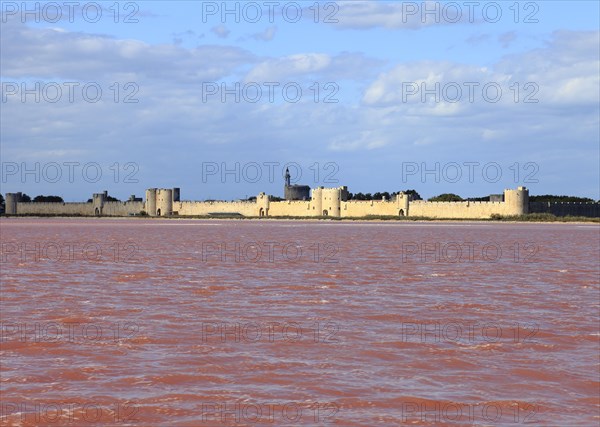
x=294 y=192
x=10 y=203
x=517 y=201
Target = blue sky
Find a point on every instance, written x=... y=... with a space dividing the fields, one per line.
x=376 y=132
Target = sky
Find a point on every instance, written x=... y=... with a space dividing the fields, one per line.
x=219 y=98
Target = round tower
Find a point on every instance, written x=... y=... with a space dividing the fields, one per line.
x=331 y=204
x=164 y=202
x=150 y=205
x=10 y=203
x=517 y=201
x=317 y=201
x=297 y=192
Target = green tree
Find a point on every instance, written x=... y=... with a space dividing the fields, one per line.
x=552 y=198
x=446 y=197
x=48 y=199
x=25 y=198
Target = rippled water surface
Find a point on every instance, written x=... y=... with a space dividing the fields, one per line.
x=192 y=323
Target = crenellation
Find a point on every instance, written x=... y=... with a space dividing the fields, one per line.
x=323 y=202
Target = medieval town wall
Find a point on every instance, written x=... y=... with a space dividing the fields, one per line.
x=324 y=201
x=566 y=208
x=292 y=208
x=475 y=210
x=122 y=208
x=35 y=208
x=190 y=208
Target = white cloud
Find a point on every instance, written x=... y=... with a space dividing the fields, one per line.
x=506 y=39
x=221 y=31
x=367 y=139
x=564 y=72
x=43 y=53
x=289 y=66
x=351 y=66
x=267 y=35
x=172 y=129
x=365 y=15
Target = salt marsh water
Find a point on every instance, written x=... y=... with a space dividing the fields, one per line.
x=191 y=323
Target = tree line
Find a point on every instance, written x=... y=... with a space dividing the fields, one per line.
x=37 y=199
x=50 y=199
x=451 y=197
x=381 y=195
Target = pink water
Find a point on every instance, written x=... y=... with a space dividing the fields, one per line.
x=168 y=322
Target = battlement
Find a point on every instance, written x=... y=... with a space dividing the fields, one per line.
x=458 y=203
x=323 y=202
x=588 y=209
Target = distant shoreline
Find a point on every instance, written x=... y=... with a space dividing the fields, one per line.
x=404 y=220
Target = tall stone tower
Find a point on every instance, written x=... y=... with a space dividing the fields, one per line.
x=294 y=192
x=10 y=203
x=402 y=203
x=98 y=200
x=150 y=205
x=262 y=204
x=159 y=201
x=517 y=201
x=164 y=201
x=317 y=201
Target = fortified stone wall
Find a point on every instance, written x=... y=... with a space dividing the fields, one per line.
x=476 y=210
x=566 y=208
x=325 y=201
x=84 y=209
x=399 y=206
x=516 y=202
x=360 y=208
x=292 y=208
x=206 y=208
x=122 y=208
x=32 y=208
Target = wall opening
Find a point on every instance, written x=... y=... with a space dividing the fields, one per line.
x=97 y=212
x=401 y=213
x=325 y=213
x=261 y=212
x=158 y=212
